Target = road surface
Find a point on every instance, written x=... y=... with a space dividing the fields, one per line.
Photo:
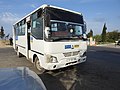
x=100 y=72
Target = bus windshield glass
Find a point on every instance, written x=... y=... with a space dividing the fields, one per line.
x=62 y=15
x=63 y=31
x=64 y=24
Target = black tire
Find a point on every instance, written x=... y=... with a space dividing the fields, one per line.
x=37 y=65
x=19 y=54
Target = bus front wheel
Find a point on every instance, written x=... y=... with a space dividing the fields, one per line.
x=37 y=65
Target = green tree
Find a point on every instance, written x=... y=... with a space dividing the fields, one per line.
x=97 y=38
x=90 y=34
x=112 y=36
x=2 y=32
x=104 y=33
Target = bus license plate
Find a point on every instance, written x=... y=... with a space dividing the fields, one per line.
x=71 y=59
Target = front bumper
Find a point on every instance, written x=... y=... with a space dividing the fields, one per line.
x=65 y=62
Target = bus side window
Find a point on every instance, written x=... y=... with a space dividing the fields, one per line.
x=20 y=28
x=54 y=27
x=23 y=27
x=37 y=25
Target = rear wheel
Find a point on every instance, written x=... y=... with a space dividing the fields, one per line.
x=18 y=53
x=37 y=65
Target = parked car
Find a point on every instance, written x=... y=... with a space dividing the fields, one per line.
x=21 y=78
x=117 y=42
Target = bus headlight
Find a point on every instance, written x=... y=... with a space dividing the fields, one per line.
x=83 y=54
x=51 y=59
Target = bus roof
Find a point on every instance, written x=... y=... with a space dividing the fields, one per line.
x=43 y=6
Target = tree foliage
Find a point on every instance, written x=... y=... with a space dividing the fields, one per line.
x=97 y=38
x=103 y=35
x=112 y=36
x=2 y=32
x=90 y=34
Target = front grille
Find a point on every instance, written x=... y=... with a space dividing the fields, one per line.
x=75 y=53
x=68 y=54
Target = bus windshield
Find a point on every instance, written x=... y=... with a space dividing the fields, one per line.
x=64 y=24
x=62 y=15
x=60 y=30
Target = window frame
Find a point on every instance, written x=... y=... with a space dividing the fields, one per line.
x=20 y=28
x=38 y=16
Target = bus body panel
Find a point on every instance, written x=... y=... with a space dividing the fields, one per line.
x=58 y=50
x=61 y=47
x=21 y=41
x=37 y=46
x=41 y=58
x=21 y=44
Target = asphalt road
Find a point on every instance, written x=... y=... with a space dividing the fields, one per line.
x=100 y=72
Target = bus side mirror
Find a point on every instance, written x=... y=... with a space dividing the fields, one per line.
x=84 y=36
x=84 y=32
x=85 y=27
x=47 y=32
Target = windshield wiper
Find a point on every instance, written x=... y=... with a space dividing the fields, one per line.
x=65 y=38
x=58 y=39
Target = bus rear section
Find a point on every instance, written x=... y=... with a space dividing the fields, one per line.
x=51 y=37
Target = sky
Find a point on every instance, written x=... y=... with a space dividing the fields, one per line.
x=95 y=12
